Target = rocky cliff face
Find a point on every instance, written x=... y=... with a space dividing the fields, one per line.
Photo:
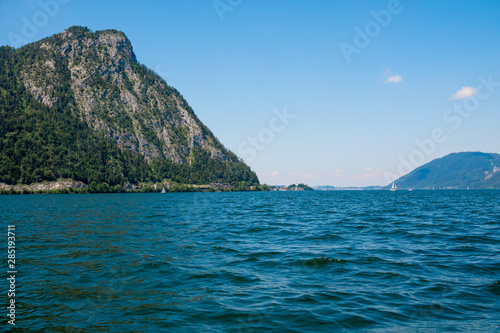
x=117 y=96
x=78 y=105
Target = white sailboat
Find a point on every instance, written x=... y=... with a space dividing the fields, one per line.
x=163 y=190
x=394 y=187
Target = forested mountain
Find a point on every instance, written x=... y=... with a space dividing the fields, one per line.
x=79 y=105
x=456 y=171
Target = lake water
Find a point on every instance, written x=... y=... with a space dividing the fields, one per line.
x=256 y=261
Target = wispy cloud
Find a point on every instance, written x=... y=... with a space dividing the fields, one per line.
x=302 y=176
x=270 y=177
x=336 y=173
x=369 y=174
x=391 y=78
x=464 y=93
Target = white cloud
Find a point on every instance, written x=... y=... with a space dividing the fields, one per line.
x=336 y=173
x=391 y=78
x=464 y=93
x=369 y=174
x=303 y=176
x=270 y=178
x=394 y=79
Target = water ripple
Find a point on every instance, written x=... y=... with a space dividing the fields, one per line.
x=258 y=262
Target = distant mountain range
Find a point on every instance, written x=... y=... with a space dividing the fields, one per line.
x=347 y=188
x=475 y=170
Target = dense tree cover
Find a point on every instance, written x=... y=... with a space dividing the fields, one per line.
x=299 y=187
x=38 y=142
x=204 y=170
x=45 y=143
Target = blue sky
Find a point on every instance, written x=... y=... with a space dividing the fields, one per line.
x=344 y=93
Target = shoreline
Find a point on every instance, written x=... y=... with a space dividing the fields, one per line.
x=69 y=186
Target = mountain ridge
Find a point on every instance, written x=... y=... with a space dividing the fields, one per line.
x=474 y=170
x=114 y=106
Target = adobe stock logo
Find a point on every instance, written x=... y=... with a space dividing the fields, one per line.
x=363 y=37
x=29 y=30
x=221 y=7
x=250 y=147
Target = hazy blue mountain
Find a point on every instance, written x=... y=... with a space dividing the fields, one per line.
x=455 y=171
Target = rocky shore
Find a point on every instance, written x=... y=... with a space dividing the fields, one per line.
x=43 y=187
x=63 y=186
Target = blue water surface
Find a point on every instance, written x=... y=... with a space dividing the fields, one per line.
x=256 y=261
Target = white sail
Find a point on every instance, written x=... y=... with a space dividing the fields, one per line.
x=393 y=188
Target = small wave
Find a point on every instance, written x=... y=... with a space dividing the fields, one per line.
x=318 y=262
x=326 y=237
x=376 y=275
x=224 y=277
x=493 y=288
x=257 y=229
x=354 y=322
x=479 y=239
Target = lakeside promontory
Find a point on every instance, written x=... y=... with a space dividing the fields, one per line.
x=79 y=106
